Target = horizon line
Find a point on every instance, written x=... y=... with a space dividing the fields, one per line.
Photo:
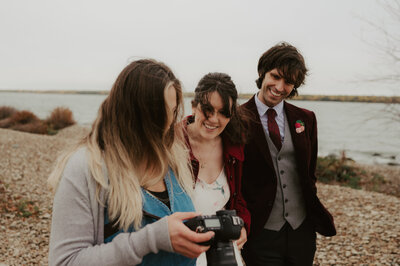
x=241 y=95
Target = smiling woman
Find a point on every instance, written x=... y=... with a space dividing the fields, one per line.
x=215 y=137
x=211 y=118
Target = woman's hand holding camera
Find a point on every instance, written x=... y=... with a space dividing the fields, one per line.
x=184 y=241
x=243 y=238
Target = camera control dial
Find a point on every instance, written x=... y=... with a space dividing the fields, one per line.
x=200 y=229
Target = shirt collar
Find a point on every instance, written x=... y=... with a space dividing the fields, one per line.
x=262 y=108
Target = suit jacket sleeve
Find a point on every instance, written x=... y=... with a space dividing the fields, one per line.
x=314 y=152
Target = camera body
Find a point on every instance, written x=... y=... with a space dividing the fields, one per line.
x=227 y=227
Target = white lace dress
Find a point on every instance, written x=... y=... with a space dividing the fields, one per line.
x=210 y=198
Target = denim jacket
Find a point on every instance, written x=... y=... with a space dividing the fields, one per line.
x=179 y=202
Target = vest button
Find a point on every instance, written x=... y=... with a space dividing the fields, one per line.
x=286 y=200
x=284 y=186
x=286 y=214
x=282 y=172
x=279 y=158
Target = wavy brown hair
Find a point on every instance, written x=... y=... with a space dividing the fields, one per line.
x=223 y=84
x=134 y=115
x=289 y=62
x=134 y=140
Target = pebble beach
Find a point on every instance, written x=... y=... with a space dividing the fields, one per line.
x=368 y=223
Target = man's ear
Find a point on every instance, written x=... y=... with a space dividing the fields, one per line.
x=260 y=79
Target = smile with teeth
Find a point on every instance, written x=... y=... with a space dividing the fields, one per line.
x=209 y=127
x=276 y=94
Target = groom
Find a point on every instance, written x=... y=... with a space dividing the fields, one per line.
x=278 y=180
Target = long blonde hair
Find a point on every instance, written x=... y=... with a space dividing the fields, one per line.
x=131 y=136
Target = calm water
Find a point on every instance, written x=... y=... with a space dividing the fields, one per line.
x=360 y=129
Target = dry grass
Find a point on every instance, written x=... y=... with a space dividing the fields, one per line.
x=6 y=111
x=19 y=118
x=24 y=117
x=27 y=121
x=60 y=118
x=6 y=122
x=10 y=203
x=345 y=172
x=37 y=127
x=381 y=178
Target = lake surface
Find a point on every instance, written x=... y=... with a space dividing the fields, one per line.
x=362 y=130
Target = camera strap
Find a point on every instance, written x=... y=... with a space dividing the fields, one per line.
x=145 y=213
x=111 y=228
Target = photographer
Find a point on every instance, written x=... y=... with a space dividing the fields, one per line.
x=130 y=164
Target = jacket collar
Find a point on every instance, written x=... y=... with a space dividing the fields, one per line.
x=302 y=149
x=257 y=131
x=293 y=113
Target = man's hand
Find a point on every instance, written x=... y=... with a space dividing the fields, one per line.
x=243 y=238
x=184 y=241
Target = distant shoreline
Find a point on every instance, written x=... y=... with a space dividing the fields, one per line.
x=335 y=98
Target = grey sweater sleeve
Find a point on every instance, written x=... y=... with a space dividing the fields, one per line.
x=77 y=226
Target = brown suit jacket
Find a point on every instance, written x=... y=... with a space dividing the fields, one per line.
x=259 y=181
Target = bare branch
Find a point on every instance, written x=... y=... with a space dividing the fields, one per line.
x=389 y=46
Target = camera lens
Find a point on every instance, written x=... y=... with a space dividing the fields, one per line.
x=221 y=253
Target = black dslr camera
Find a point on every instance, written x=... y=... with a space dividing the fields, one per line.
x=227 y=227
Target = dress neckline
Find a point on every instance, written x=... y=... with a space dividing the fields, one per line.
x=221 y=174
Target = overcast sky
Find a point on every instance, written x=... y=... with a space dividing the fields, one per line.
x=83 y=45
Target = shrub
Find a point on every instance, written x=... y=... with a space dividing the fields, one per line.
x=6 y=111
x=24 y=117
x=60 y=118
x=26 y=121
x=19 y=117
x=6 y=122
x=26 y=208
x=37 y=127
x=15 y=204
x=331 y=169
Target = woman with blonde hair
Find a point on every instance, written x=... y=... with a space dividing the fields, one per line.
x=129 y=171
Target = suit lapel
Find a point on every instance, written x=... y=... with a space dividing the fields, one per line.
x=258 y=132
x=299 y=139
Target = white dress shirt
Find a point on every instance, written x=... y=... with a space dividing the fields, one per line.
x=279 y=118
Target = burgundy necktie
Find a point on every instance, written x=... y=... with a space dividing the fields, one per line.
x=274 y=129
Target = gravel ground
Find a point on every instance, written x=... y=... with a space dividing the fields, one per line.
x=368 y=223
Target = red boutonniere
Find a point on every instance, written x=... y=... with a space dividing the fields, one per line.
x=299 y=126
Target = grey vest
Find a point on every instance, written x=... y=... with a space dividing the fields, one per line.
x=289 y=202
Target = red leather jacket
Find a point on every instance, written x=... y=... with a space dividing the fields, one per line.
x=233 y=163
